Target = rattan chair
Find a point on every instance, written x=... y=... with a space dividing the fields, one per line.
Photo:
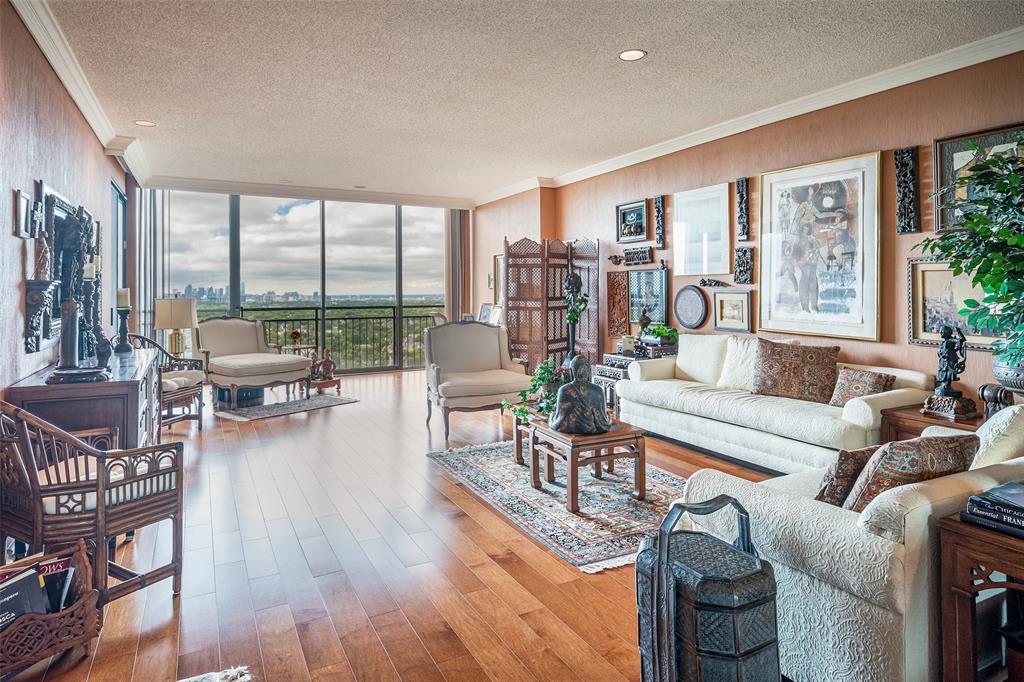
x=55 y=488
x=181 y=384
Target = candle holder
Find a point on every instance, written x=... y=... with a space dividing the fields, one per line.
x=124 y=348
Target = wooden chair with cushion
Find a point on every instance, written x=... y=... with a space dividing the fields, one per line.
x=55 y=488
x=236 y=355
x=181 y=384
x=470 y=368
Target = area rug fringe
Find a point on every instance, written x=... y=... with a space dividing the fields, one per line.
x=236 y=674
x=614 y=562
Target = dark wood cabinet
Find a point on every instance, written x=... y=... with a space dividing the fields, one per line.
x=130 y=401
x=904 y=423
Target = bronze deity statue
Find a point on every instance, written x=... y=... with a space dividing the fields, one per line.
x=947 y=401
x=580 y=406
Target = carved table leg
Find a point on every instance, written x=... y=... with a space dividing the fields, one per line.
x=959 y=655
x=572 y=474
x=549 y=467
x=517 y=440
x=535 y=462
x=598 y=465
x=640 y=471
x=610 y=464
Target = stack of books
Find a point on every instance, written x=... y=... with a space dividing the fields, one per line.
x=41 y=587
x=1000 y=509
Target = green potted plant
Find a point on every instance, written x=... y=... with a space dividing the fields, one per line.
x=660 y=335
x=987 y=243
x=544 y=385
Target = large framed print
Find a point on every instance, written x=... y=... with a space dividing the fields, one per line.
x=954 y=158
x=819 y=249
x=701 y=227
x=935 y=297
x=648 y=289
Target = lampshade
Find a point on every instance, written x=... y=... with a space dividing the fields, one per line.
x=175 y=313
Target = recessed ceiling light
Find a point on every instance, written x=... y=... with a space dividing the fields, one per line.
x=145 y=124
x=632 y=55
x=359 y=186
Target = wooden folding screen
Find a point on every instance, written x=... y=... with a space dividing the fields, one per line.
x=534 y=307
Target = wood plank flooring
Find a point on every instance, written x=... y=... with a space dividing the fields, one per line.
x=326 y=546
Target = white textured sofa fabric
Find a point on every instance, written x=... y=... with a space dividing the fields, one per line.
x=857 y=592
x=702 y=397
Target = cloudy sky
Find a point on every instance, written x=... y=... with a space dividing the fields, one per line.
x=281 y=245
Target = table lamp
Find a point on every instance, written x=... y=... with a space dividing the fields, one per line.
x=175 y=314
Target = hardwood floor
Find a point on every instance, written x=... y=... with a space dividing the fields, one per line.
x=326 y=546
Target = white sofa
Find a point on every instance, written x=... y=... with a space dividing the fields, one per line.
x=702 y=397
x=857 y=592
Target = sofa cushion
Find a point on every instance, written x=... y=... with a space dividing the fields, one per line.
x=489 y=382
x=842 y=474
x=1002 y=437
x=700 y=357
x=740 y=359
x=253 y=364
x=857 y=383
x=911 y=461
x=905 y=378
x=814 y=423
x=801 y=372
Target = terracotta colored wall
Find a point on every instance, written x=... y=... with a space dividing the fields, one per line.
x=979 y=97
x=514 y=217
x=42 y=136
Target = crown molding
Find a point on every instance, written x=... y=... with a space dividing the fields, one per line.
x=50 y=38
x=515 y=188
x=304 y=192
x=983 y=50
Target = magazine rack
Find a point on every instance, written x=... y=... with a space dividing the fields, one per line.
x=32 y=637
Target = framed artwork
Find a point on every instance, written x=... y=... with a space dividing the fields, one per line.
x=497 y=276
x=732 y=311
x=496 y=315
x=648 y=289
x=953 y=158
x=485 y=312
x=819 y=249
x=700 y=224
x=22 y=215
x=631 y=222
x=934 y=298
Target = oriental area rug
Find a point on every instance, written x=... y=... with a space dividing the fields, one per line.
x=248 y=414
x=607 y=530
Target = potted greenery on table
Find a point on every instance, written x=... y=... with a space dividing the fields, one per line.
x=987 y=243
x=660 y=335
x=543 y=390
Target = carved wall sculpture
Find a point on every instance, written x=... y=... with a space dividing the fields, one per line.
x=742 y=210
x=743 y=265
x=908 y=204
x=639 y=255
x=618 y=303
x=659 y=222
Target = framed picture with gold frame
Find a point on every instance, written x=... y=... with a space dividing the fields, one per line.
x=819 y=249
x=934 y=298
x=732 y=311
x=498 y=278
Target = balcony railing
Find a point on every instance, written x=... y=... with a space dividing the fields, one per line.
x=359 y=337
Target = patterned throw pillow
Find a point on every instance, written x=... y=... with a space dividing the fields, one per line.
x=857 y=383
x=842 y=474
x=801 y=372
x=911 y=461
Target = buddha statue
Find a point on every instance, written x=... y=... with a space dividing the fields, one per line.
x=580 y=406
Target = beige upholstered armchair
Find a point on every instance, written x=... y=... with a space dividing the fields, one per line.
x=469 y=368
x=236 y=355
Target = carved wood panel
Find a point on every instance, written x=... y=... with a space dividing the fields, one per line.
x=618 y=303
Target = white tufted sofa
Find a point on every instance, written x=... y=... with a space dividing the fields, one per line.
x=857 y=592
x=703 y=397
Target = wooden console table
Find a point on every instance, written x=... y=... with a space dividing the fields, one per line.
x=970 y=555
x=129 y=402
x=904 y=423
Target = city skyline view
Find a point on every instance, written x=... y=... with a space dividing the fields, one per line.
x=280 y=249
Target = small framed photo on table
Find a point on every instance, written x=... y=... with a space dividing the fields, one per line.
x=732 y=311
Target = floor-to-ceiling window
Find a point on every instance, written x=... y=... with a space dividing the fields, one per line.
x=326 y=274
x=280 y=267
x=196 y=250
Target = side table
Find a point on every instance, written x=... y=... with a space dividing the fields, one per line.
x=598 y=451
x=970 y=555
x=904 y=423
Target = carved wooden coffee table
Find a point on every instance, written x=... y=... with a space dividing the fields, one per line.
x=598 y=451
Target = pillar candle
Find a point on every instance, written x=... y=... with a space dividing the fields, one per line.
x=124 y=298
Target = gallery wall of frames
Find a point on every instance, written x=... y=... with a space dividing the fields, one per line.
x=803 y=227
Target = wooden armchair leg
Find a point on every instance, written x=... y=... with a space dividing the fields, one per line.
x=199 y=408
x=176 y=552
x=445 y=412
x=430 y=408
